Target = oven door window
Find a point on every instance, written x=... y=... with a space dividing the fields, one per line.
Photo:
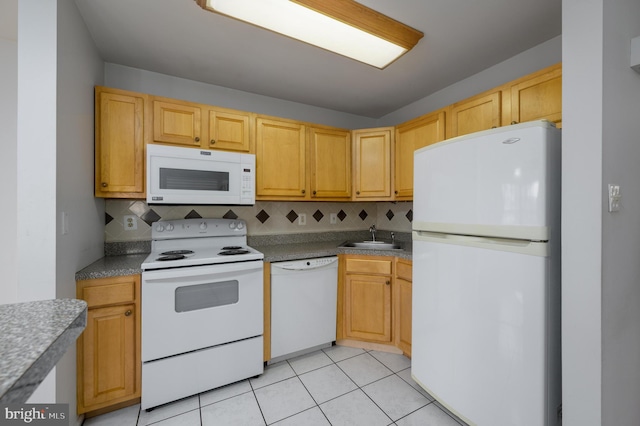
x=203 y=296
x=197 y=180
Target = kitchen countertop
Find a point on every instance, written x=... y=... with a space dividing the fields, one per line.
x=35 y=335
x=275 y=249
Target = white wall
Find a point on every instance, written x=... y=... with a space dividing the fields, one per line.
x=138 y=80
x=534 y=59
x=621 y=231
x=79 y=69
x=582 y=211
x=8 y=141
x=36 y=167
x=601 y=272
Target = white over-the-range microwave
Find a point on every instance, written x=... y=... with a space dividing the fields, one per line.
x=177 y=175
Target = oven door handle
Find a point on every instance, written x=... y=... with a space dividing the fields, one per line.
x=194 y=271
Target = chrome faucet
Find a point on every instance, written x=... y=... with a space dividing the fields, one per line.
x=373 y=231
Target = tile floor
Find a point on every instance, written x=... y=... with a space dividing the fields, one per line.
x=333 y=386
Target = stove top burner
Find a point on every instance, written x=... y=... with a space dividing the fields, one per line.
x=174 y=252
x=172 y=257
x=231 y=248
x=233 y=252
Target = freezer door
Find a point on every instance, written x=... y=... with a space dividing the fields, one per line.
x=479 y=344
x=504 y=182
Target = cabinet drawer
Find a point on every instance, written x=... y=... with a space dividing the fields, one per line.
x=367 y=266
x=110 y=293
x=404 y=270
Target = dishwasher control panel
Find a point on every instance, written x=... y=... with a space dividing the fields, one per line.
x=304 y=264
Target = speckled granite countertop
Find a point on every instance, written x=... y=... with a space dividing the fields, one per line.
x=284 y=252
x=34 y=337
x=276 y=248
x=113 y=266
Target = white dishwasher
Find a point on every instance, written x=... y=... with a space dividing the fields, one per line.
x=304 y=296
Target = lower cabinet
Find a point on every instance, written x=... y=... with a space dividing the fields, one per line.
x=374 y=301
x=402 y=305
x=108 y=351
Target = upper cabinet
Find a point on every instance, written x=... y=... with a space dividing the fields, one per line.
x=229 y=131
x=478 y=113
x=538 y=96
x=177 y=123
x=410 y=136
x=329 y=152
x=300 y=161
x=120 y=137
x=372 y=166
x=280 y=159
x=296 y=161
x=201 y=126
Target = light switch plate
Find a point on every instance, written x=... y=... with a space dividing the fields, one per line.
x=614 y=198
x=302 y=219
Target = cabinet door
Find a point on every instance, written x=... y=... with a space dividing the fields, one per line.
x=538 y=98
x=372 y=155
x=280 y=159
x=474 y=114
x=402 y=317
x=368 y=307
x=330 y=163
x=410 y=136
x=176 y=124
x=108 y=348
x=229 y=131
x=119 y=144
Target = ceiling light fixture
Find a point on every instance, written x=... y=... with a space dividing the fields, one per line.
x=340 y=26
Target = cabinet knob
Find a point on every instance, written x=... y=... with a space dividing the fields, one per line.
x=128 y=313
x=314 y=192
x=303 y=191
x=197 y=139
x=357 y=192
x=395 y=192
x=387 y=282
x=514 y=122
x=213 y=141
x=105 y=184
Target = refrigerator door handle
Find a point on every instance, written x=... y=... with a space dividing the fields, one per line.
x=532 y=248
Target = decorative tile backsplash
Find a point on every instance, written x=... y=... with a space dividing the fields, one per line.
x=263 y=218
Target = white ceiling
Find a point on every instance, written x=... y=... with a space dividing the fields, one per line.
x=178 y=38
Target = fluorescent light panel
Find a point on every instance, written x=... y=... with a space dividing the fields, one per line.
x=299 y=22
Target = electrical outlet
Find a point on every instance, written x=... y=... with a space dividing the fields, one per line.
x=302 y=219
x=333 y=218
x=130 y=222
x=614 y=198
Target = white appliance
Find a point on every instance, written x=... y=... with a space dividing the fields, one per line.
x=202 y=309
x=304 y=297
x=486 y=275
x=177 y=175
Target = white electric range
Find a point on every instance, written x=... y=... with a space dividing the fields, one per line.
x=202 y=309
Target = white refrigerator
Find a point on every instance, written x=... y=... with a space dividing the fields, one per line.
x=486 y=275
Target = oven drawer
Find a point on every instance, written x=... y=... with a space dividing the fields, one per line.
x=186 y=309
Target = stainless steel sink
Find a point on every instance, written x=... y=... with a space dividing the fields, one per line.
x=372 y=245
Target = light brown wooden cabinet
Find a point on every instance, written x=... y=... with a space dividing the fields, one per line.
x=402 y=300
x=120 y=136
x=329 y=153
x=367 y=298
x=195 y=125
x=481 y=112
x=108 y=351
x=281 y=165
x=411 y=135
x=373 y=160
x=296 y=161
x=538 y=96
